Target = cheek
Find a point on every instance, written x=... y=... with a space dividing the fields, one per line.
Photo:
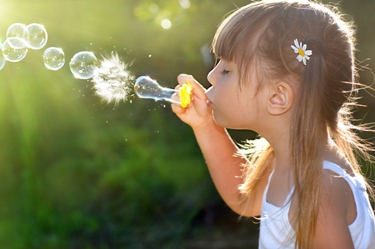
x=228 y=109
x=225 y=98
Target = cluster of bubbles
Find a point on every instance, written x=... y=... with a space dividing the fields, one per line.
x=20 y=38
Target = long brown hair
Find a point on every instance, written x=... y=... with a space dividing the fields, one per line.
x=261 y=34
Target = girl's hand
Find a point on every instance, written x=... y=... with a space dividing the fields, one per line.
x=197 y=114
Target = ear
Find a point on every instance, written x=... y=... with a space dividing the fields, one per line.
x=280 y=99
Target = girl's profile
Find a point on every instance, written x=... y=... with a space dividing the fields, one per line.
x=286 y=70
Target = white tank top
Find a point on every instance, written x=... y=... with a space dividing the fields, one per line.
x=276 y=232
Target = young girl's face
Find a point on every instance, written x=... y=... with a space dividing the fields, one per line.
x=233 y=106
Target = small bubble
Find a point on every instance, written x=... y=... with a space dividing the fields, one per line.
x=2 y=59
x=14 y=49
x=54 y=58
x=16 y=42
x=149 y=56
x=83 y=65
x=18 y=30
x=38 y=36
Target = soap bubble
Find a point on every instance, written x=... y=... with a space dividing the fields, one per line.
x=83 y=65
x=147 y=88
x=16 y=42
x=54 y=58
x=18 y=30
x=2 y=59
x=14 y=49
x=38 y=36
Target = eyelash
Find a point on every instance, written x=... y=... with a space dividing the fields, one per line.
x=224 y=72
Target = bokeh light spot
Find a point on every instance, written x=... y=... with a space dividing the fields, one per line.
x=185 y=4
x=166 y=24
x=154 y=8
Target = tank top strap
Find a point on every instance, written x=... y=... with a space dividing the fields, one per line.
x=357 y=180
x=287 y=199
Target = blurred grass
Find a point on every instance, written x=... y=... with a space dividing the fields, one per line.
x=77 y=173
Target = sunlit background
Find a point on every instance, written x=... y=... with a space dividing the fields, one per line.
x=78 y=173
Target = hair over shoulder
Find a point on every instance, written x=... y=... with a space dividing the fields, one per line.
x=261 y=35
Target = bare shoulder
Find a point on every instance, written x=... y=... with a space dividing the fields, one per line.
x=336 y=190
x=335 y=213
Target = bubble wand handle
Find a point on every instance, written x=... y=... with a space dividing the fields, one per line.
x=147 y=88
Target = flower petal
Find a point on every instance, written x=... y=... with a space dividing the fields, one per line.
x=295 y=49
x=296 y=43
x=308 y=52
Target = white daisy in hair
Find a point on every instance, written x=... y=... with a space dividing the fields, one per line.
x=300 y=49
x=113 y=81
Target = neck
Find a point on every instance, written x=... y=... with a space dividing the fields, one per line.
x=280 y=144
x=281 y=150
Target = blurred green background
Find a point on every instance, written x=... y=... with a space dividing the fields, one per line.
x=78 y=173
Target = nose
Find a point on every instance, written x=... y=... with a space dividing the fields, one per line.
x=211 y=77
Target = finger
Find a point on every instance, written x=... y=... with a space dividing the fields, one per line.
x=198 y=89
x=176 y=97
x=177 y=109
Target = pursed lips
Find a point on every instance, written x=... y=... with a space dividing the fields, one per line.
x=209 y=103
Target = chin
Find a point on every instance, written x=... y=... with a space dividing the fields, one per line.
x=218 y=121
x=228 y=125
x=221 y=122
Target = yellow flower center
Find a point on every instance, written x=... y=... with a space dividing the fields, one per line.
x=301 y=52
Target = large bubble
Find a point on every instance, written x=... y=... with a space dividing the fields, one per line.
x=14 y=49
x=38 y=36
x=83 y=65
x=54 y=58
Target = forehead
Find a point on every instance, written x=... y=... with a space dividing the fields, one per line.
x=238 y=39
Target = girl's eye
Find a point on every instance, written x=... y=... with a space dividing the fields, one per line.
x=224 y=72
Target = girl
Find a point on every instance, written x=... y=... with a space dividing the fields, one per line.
x=286 y=71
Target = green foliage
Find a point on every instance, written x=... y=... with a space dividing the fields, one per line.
x=77 y=173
